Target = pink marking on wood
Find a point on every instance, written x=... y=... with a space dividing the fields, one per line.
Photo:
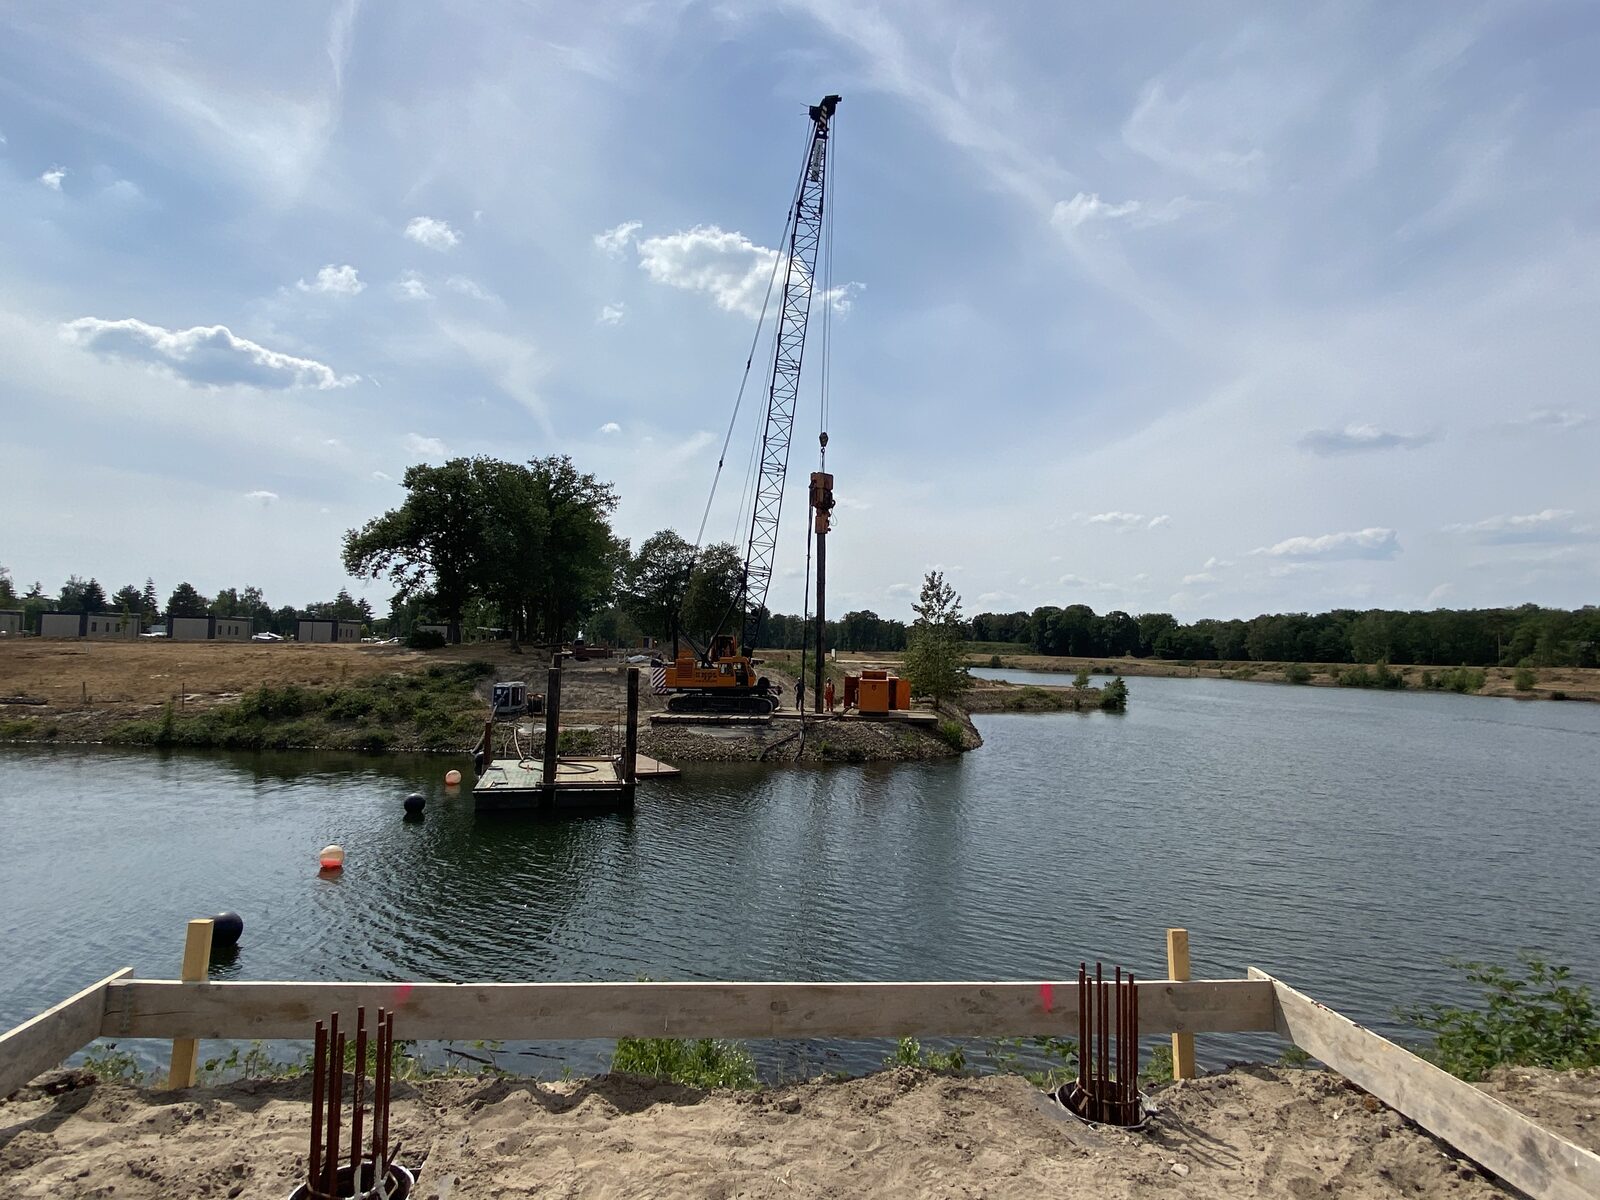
x=1047 y=996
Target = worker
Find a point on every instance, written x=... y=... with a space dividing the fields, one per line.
x=800 y=694
x=827 y=694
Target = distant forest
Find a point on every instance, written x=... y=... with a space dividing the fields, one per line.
x=1527 y=635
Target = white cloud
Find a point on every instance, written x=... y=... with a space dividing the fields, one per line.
x=1439 y=594
x=202 y=356
x=1548 y=525
x=1214 y=562
x=425 y=447
x=1094 y=585
x=265 y=497
x=610 y=427
x=1123 y=520
x=381 y=477
x=727 y=266
x=410 y=287
x=986 y=599
x=1360 y=543
x=1353 y=439
x=1555 y=418
x=612 y=314
x=468 y=287
x=335 y=281
x=1087 y=206
x=1202 y=577
x=615 y=240
x=432 y=233
x=53 y=177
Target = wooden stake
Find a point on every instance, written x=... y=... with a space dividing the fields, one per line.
x=196 y=964
x=1178 y=969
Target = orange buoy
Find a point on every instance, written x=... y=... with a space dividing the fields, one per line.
x=332 y=858
x=452 y=778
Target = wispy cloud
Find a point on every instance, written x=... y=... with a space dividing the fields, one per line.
x=1360 y=543
x=1554 y=418
x=52 y=178
x=464 y=286
x=1087 y=207
x=424 y=447
x=262 y=496
x=610 y=427
x=614 y=241
x=1123 y=520
x=612 y=314
x=432 y=233
x=1356 y=439
x=202 y=356
x=1547 y=525
x=335 y=281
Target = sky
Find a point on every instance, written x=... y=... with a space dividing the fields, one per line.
x=1208 y=308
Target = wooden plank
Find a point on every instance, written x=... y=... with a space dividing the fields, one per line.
x=196 y=965
x=54 y=1035
x=1178 y=968
x=540 y=1011
x=1498 y=1137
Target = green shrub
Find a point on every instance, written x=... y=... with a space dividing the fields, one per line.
x=1081 y=680
x=1158 y=1070
x=1114 y=695
x=1244 y=673
x=1558 y=695
x=994 y=660
x=1460 y=679
x=700 y=1063
x=111 y=1065
x=951 y=733
x=1297 y=673
x=908 y=1052
x=1535 y=1019
x=1383 y=677
x=426 y=639
x=21 y=727
x=1356 y=676
x=1523 y=679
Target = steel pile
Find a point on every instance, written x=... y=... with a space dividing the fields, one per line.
x=367 y=1173
x=1107 y=1088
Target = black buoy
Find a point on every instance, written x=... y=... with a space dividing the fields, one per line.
x=415 y=804
x=226 y=930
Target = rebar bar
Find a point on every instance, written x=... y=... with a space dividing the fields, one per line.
x=369 y=1166
x=1107 y=1086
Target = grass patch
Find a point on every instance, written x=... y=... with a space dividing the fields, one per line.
x=1458 y=679
x=436 y=709
x=1528 y=1016
x=27 y=729
x=1297 y=673
x=951 y=733
x=699 y=1063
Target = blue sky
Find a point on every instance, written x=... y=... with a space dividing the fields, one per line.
x=1211 y=308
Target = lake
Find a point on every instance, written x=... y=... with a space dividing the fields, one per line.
x=1348 y=841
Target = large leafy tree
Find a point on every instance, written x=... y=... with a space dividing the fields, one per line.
x=432 y=542
x=583 y=558
x=655 y=580
x=185 y=601
x=711 y=600
x=127 y=600
x=935 y=653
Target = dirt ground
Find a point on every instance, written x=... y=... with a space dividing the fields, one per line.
x=1252 y=1131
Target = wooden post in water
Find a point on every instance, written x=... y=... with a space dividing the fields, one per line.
x=552 y=733
x=1178 y=969
x=630 y=744
x=196 y=965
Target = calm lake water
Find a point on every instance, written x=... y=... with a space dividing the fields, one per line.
x=1348 y=841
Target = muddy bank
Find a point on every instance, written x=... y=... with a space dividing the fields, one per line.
x=996 y=696
x=1252 y=1131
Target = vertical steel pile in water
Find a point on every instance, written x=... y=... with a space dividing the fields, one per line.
x=1107 y=1087
x=373 y=1173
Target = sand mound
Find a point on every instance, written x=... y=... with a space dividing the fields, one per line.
x=1247 y=1132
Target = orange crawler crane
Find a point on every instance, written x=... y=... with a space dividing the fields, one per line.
x=876 y=692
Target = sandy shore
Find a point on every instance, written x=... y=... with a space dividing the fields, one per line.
x=1253 y=1131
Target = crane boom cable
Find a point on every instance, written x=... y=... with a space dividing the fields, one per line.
x=783 y=390
x=755 y=341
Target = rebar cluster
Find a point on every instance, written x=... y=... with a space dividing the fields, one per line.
x=1107 y=1088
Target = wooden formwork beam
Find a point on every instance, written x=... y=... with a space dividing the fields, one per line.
x=53 y=1036
x=196 y=966
x=1520 y=1151
x=543 y=1011
x=1178 y=968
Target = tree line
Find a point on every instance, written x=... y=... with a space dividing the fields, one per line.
x=1528 y=634
x=80 y=595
